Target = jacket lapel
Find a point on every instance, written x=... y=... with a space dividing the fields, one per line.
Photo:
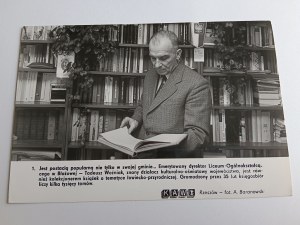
x=149 y=90
x=169 y=88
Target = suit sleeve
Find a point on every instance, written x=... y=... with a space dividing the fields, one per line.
x=197 y=116
x=138 y=112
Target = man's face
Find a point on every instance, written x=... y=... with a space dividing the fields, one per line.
x=163 y=56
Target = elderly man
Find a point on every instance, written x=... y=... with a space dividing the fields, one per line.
x=175 y=99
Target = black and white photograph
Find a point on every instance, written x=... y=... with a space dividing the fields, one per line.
x=147 y=91
x=136 y=112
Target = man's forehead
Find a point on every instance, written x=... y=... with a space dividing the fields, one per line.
x=161 y=42
x=163 y=46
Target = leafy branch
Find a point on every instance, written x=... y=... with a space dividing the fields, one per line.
x=230 y=43
x=90 y=43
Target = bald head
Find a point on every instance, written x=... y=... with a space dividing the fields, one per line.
x=164 y=34
x=164 y=52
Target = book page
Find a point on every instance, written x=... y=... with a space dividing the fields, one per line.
x=122 y=138
x=172 y=138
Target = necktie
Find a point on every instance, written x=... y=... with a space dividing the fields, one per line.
x=163 y=81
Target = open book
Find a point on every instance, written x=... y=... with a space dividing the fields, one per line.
x=119 y=139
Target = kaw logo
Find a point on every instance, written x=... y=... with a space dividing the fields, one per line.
x=177 y=193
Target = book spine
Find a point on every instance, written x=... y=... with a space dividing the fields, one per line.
x=266 y=126
x=51 y=126
x=27 y=122
x=106 y=90
x=92 y=126
x=94 y=90
x=38 y=87
x=74 y=124
x=19 y=86
x=33 y=125
x=222 y=125
x=33 y=86
x=20 y=123
x=130 y=90
x=96 y=124
x=140 y=34
x=259 y=126
x=100 y=124
x=40 y=128
x=116 y=83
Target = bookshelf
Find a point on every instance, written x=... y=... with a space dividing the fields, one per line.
x=39 y=124
x=247 y=115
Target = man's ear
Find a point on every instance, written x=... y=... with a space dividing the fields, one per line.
x=178 y=54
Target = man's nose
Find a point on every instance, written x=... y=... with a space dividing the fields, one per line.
x=157 y=63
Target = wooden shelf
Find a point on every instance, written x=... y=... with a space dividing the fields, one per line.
x=256 y=48
x=248 y=146
x=32 y=42
x=37 y=144
x=215 y=72
x=101 y=73
x=146 y=46
x=250 y=48
x=134 y=45
x=105 y=106
x=217 y=146
x=37 y=70
x=88 y=145
x=207 y=72
x=263 y=75
x=208 y=46
x=248 y=107
x=116 y=74
x=39 y=105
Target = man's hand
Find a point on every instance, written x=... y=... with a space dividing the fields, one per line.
x=130 y=123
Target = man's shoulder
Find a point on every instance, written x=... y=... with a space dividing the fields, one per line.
x=191 y=76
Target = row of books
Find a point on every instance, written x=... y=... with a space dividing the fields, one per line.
x=260 y=35
x=243 y=33
x=126 y=60
x=212 y=59
x=235 y=33
x=113 y=89
x=255 y=126
x=34 y=86
x=267 y=92
x=36 y=56
x=254 y=34
x=258 y=61
x=262 y=61
x=241 y=91
x=250 y=153
x=32 y=155
x=136 y=60
x=36 y=32
x=141 y=33
x=231 y=91
x=279 y=130
x=96 y=122
x=38 y=124
x=124 y=34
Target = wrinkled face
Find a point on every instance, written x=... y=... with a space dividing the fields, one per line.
x=164 y=56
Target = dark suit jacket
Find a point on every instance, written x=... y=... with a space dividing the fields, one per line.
x=183 y=105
